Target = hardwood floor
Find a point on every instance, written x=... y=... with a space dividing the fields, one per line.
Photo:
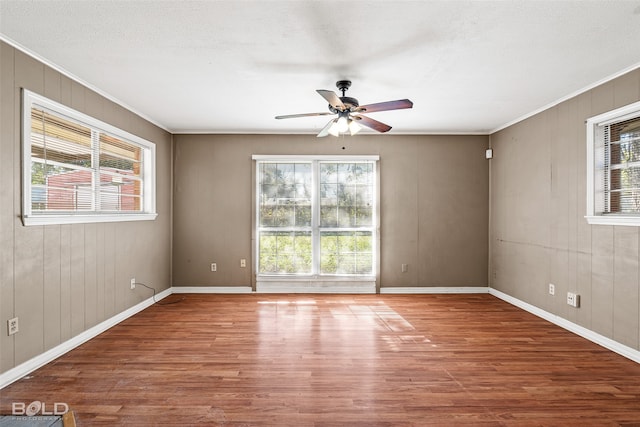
x=330 y=360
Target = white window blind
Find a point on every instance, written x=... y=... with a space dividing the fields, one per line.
x=622 y=167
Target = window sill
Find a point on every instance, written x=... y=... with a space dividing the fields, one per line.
x=313 y=284
x=632 y=221
x=314 y=278
x=84 y=219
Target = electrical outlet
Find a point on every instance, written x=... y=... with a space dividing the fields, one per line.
x=214 y=266
x=12 y=326
x=243 y=263
x=405 y=268
x=133 y=283
x=573 y=299
x=552 y=289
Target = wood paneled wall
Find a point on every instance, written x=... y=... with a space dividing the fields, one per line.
x=538 y=231
x=60 y=280
x=433 y=205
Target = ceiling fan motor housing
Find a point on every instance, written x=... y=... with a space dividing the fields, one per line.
x=348 y=102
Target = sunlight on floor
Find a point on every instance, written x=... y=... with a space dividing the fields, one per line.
x=288 y=317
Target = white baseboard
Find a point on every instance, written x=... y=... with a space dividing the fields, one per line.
x=40 y=360
x=212 y=289
x=436 y=290
x=608 y=343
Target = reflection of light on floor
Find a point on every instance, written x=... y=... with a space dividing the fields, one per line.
x=393 y=342
x=285 y=302
x=337 y=321
x=392 y=319
x=352 y=336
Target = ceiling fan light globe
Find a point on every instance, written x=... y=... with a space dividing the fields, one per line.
x=342 y=124
x=333 y=130
x=354 y=127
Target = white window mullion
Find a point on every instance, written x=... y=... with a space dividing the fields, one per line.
x=315 y=216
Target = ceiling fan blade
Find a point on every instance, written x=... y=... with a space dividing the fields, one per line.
x=292 y=116
x=373 y=124
x=385 y=106
x=325 y=130
x=332 y=99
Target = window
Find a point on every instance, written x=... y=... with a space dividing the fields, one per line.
x=316 y=216
x=613 y=167
x=78 y=169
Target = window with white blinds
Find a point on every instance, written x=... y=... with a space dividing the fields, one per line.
x=613 y=143
x=316 y=216
x=78 y=169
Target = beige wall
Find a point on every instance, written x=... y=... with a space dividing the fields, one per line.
x=538 y=234
x=434 y=205
x=60 y=280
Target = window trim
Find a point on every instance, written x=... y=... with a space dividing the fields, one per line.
x=29 y=99
x=317 y=277
x=620 y=114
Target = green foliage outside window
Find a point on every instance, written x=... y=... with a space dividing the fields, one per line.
x=284 y=252
x=346 y=253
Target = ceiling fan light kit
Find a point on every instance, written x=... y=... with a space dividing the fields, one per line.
x=342 y=125
x=349 y=111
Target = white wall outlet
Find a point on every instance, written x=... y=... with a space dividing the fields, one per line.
x=133 y=283
x=12 y=326
x=552 y=289
x=214 y=266
x=243 y=263
x=405 y=268
x=573 y=299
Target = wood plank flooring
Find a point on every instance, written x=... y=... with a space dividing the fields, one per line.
x=332 y=360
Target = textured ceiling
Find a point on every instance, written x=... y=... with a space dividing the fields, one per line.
x=231 y=66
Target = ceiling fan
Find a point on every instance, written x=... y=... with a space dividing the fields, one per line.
x=349 y=112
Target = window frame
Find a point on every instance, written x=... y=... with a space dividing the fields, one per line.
x=148 y=150
x=593 y=124
x=316 y=274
